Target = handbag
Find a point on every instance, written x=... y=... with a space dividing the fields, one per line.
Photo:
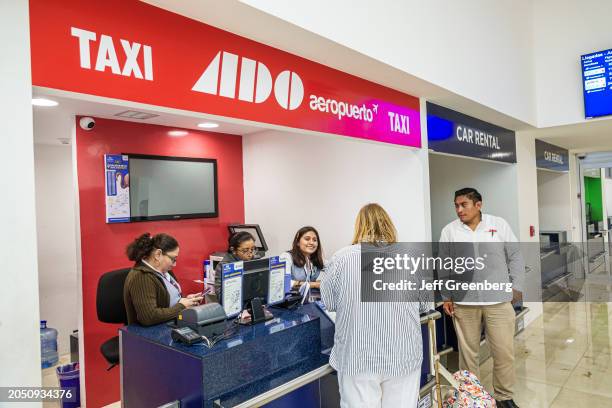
x=470 y=393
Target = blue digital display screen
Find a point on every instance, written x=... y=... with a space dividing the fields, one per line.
x=597 y=83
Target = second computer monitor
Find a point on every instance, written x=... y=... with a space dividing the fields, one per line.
x=256 y=280
x=255 y=288
x=255 y=231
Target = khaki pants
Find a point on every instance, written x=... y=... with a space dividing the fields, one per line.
x=499 y=331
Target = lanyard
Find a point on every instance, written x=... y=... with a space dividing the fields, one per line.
x=308 y=269
x=163 y=276
x=173 y=282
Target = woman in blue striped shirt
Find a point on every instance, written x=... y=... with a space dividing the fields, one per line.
x=378 y=348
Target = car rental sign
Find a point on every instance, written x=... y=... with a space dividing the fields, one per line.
x=458 y=134
x=551 y=157
x=130 y=50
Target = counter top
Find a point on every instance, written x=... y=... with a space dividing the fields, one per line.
x=278 y=359
x=251 y=361
x=283 y=320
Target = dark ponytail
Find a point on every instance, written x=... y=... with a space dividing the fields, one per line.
x=142 y=246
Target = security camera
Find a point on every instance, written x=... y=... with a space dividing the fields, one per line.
x=87 y=123
x=581 y=156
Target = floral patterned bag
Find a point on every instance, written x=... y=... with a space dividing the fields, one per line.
x=471 y=394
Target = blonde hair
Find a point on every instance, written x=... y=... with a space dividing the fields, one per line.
x=373 y=224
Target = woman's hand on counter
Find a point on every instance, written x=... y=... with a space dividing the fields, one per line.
x=298 y=284
x=191 y=300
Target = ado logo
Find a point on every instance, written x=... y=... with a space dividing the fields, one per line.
x=255 y=85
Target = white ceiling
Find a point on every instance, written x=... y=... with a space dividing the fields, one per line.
x=244 y=20
x=249 y=22
x=592 y=136
x=53 y=123
x=596 y=160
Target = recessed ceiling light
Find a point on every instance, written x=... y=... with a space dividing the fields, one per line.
x=177 y=133
x=208 y=125
x=43 y=102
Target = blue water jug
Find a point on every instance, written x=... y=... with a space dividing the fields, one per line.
x=48 y=345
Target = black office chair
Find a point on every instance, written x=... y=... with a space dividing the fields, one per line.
x=110 y=308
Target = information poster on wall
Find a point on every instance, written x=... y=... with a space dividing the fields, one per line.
x=231 y=288
x=276 y=290
x=117 y=183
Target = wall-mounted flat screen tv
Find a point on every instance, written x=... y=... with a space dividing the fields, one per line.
x=597 y=83
x=170 y=188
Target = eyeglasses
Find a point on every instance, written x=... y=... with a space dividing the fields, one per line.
x=246 y=250
x=172 y=258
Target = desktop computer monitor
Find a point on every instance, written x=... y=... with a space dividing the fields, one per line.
x=256 y=280
x=255 y=231
x=255 y=290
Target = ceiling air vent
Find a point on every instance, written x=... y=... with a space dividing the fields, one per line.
x=130 y=114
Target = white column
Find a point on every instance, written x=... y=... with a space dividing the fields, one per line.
x=527 y=191
x=424 y=159
x=19 y=310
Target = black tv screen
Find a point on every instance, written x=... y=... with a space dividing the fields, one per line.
x=165 y=188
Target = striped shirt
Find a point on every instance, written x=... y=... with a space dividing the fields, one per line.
x=371 y=337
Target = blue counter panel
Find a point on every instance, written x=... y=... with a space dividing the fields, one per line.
x=308 y=395
x=255 y=359
x=154 y=375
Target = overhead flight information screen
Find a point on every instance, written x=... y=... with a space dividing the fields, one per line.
x=597 y=83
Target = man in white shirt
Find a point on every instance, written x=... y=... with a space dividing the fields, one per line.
x=470 y=310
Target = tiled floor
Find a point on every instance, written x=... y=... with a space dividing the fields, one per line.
x=564 y=358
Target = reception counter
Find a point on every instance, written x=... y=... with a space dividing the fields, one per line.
x=283 y=362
